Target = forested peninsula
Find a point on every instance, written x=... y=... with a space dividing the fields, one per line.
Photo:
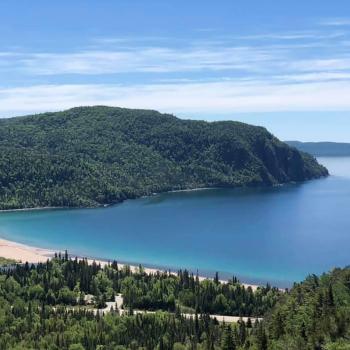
x=92 y=156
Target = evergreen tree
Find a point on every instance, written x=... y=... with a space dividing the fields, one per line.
x=227 y=339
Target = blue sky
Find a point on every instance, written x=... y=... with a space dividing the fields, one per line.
x=281 y=64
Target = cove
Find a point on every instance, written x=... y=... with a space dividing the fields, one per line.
x=277 y=235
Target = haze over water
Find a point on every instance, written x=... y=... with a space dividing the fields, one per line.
x=278 y=234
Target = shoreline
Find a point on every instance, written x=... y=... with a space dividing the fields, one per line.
x=33 y=209
x=204 y=188
x=25 y=253
x=107 y=205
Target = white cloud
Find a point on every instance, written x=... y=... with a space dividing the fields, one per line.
x=150 y=60
x=327 y=64
x=336 y=22
x=221 y=76
x=299 y=35
x=315 y=77
x=216 y=57
x=205 y=98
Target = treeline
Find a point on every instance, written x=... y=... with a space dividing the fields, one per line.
x=44 y=307
x=315 y=314
x=35 y=326
x=90 y=156
x=5 y=262
x=186 y=291
x=65 y=281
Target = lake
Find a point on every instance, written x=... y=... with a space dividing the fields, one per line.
x=276 y=234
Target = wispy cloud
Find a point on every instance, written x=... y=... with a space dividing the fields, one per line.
x=315 y=77
x=299 y=70
x=216 y=97
x=326 y=64
x=246 y=60
x=336 y=22
x=275 y=53
x=299 y=35
x=149 y=60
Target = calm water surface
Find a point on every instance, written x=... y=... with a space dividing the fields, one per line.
x=278 y=235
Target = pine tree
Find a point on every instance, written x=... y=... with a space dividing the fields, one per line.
x=242 y=333
x=216 y=278
x=261 y=338
x=227 y=342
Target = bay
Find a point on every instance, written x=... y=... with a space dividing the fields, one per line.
x=277 y=235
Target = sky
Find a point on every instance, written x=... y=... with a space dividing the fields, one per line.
x=284 y=65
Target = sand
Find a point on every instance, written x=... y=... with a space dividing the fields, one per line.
x=24 y=253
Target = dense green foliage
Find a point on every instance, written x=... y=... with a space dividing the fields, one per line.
x=33 y=327
x=66 y=281
x=186 y=291
x=91 y=156
x=314 y=315
x=325 y=149
x=4 y=261
x=43 y=307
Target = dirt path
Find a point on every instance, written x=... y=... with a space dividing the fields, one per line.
x=119 y=303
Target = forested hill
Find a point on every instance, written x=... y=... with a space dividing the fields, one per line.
x=327 y=149
x=315 y=314
x=89 y=156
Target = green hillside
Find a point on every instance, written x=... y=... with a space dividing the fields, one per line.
x=314 y=315
x=90 y=156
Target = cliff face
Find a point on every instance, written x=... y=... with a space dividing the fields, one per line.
x=89 y=156
x=287 y=164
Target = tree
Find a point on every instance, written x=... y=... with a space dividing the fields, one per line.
x=261 y=338
x=227 y=342
x=216 y=278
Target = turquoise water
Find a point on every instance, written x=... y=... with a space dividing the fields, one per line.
x=278 y=234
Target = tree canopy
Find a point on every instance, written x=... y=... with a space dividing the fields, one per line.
x=43 y=306
x=90 y=156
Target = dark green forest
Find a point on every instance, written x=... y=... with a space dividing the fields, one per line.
x=315 y=314
x=91 y=156
x=44 y=307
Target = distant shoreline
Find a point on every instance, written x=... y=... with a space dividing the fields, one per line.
x=107 y=205
x=33 y=209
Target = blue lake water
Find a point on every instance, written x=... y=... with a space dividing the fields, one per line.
x=277 y=234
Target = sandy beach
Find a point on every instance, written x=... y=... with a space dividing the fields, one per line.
x=25 y=253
